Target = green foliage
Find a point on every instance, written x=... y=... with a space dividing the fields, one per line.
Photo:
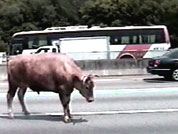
x=3 y=46
x=133 y=12
x=25 y=15
x=124 y=12
x=99 y=12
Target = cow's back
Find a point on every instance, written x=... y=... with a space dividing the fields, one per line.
x=42 y=71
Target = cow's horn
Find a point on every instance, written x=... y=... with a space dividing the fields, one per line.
x=84 y=78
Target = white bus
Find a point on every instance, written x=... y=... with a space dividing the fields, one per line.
x=122 y=42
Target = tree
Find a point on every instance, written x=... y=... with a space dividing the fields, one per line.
x=125 y=12
x=97 y=12
x=21 y=15
x=25 y=15
x=133 y=12
x=170 y=19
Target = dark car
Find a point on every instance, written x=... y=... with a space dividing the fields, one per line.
x=166 y=65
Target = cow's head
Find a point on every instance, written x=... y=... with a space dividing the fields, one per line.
x=85 y=86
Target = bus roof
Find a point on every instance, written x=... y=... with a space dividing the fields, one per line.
x=83 y=28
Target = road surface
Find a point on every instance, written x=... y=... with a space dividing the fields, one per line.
x=123 y=105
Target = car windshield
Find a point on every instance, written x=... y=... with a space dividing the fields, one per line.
x=172 y=54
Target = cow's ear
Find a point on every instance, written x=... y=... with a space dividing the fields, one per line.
x=89 y=77
x=76 y=78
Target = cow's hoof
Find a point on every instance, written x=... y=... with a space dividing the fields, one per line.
x=10 y=115
x=26 y=113
x=71 y=117
x=67 y=119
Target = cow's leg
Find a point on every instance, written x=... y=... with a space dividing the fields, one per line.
x=21 y=94
x=65 y=99
x=10 y=95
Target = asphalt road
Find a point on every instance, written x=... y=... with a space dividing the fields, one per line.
x=123 y=105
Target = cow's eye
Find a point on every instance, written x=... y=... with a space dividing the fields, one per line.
x=87 y=87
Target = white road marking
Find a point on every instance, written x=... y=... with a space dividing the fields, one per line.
x=109 y=92
x=104 y=93
x=107 y=80
x=121 y=112
x=144 y=111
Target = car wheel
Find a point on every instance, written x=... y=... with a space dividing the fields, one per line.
x=175 y=75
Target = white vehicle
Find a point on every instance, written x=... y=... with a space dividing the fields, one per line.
x=3 y=57
x=90 y=48
x=122 y=42
x=43 y=49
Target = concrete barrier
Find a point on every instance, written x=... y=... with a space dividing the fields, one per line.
x=115 y=67
x=103 y=67
x=3 y=72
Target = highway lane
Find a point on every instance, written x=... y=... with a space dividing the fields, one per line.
x=150 y=109
x=134 y=82
x=123 y=82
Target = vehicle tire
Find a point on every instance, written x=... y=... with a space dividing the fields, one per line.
x=175 y=75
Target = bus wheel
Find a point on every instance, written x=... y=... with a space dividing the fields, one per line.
x=126 y=57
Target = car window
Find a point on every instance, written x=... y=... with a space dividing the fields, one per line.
x=172 y=53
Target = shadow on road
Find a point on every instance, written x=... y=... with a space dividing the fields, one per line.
x=157 y=80
x=54 y=118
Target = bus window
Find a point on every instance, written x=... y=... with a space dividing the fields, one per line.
x=135 y=39
x=125 y=40
x=17 y=49
x=138 y=37
x=17 y=46
x=42 y=41
x=35 y=42
x=115 y=40
x=152 y=38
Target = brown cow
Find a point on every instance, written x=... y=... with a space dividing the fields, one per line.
x=47 y=72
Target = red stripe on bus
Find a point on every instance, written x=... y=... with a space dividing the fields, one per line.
x=134 y=51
